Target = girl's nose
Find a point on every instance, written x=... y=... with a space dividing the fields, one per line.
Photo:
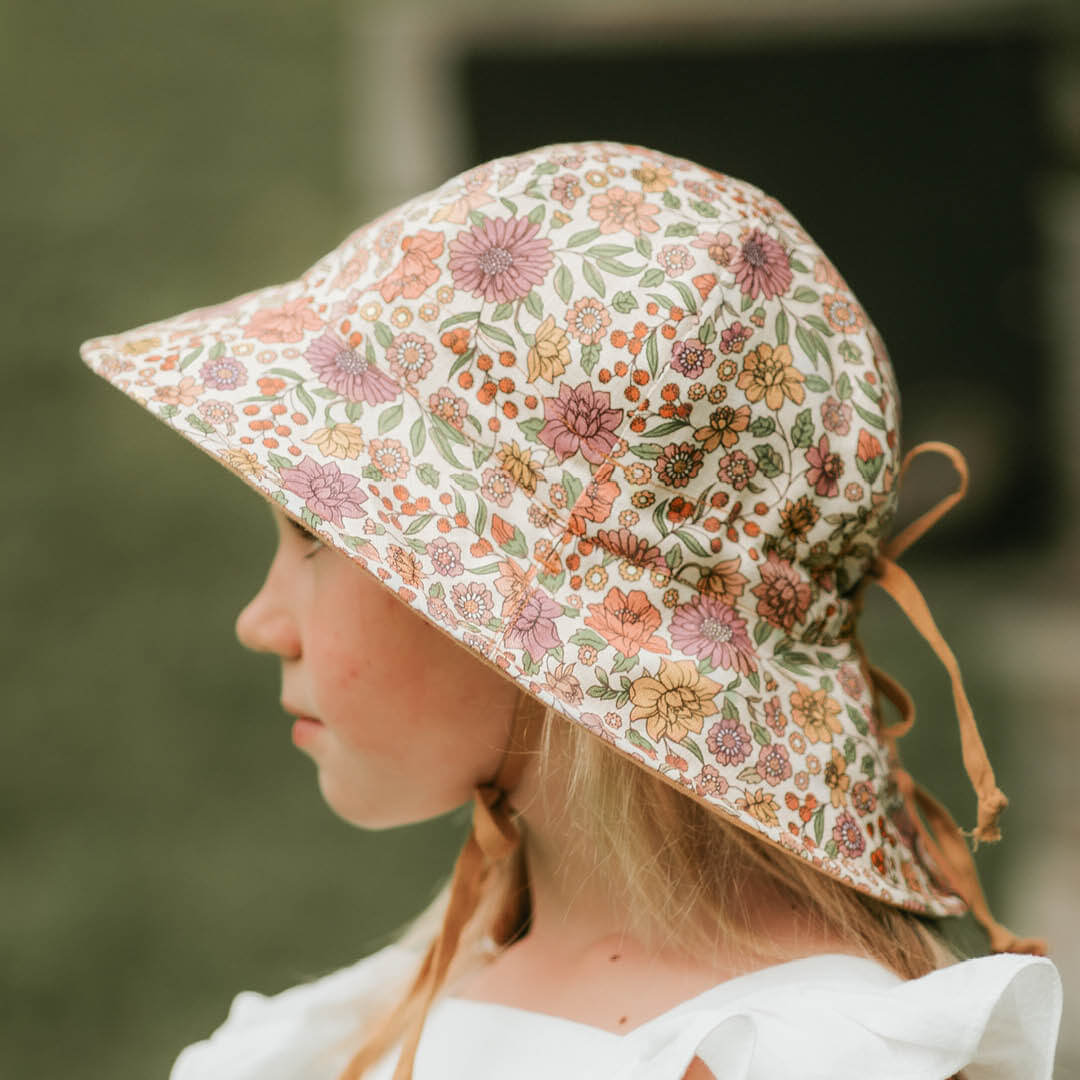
x=266 y=625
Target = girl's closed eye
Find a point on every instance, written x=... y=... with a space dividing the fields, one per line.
x=307 y=535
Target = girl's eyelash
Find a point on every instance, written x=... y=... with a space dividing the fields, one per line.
x=308 y=535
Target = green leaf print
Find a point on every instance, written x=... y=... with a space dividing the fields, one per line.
x=218 y=351
x=589 y=355
x=761 y=735
x=190 y=358
x=819 y=824
x=871 y=418
x=768 y=460
x=781 y=328
x=199 y=424
x=465 y=316
x=481 y=516
x=587 y=236
x=651 y=278
x=688 y=744
x=383 y=334
x=623 y=302
x=688 y=297
x=596 y=282
x=390 y=419
x=564 y=284
x=530 y=429
x=682 y=228
x=670 y=201
x=639 y=740
x=651 y=354
x=503 y=311
x=843 y=386
x=306 y=400
x=817 y=384
x=536 y=214
x=417 y=435
x=644 y=246
x=762 y=427
x=805 y=295
x=802 y=431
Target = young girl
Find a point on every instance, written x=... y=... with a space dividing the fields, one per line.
x=580 y=466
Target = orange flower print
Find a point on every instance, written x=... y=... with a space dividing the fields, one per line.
x=837 y=779
x=617 y=209
x=627 y=621
x=723 y=428
x=770 y=374
x=723 y=580
x=816 y=713
x=675 y=701
x=417 y=271
x=868 y=448
x=760 y=805
x=183 y=393
x=595 y=501
x=843 y=313
x=286 y=323
x=827 y=274
x=588 y=320
x=406 y=565
x=564 y=684
x=798 y=518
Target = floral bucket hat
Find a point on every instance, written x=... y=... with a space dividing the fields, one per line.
x=616 y=423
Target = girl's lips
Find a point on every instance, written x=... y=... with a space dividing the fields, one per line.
x=304 y=728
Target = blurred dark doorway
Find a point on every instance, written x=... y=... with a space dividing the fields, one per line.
x=913 y=163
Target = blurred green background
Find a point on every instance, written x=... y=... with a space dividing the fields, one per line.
x=162 y=844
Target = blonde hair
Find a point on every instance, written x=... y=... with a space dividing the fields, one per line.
x=679 y=868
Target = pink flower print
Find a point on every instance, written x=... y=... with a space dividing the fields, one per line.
x=761 y=266
x=566 y=189
x=453 y=409
x=410 y=356
x=327 y=492
x=580 y=418
x=710 y=782
x=344 y=369
x=283 y=324
x=218 y=413
x=473 y=194
x=182 y=393
x=773 y=765
x=417 y=270
x=533 y=627
x=848 y=836
x=719 y=245
x=675 y=259
x=774 y=716
x=863 y=798
x=729 y=741
x=617 y=209
x=224 y=373
x=633 y=548
x=446 y=557
x=439 y=610
x=588 y=320
x=707 y=627
x=679 y=464
x=836 y=416
x=500 y=260
x=352 y=269
x=783 y=597
x=390 y=458
x=734 y=337
x=473 y=602
x=497 y=486
x=691 y=357
x=825 y=468
x=736 y=469
x=849 y=680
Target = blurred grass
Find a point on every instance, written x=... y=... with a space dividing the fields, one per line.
x=163 y=844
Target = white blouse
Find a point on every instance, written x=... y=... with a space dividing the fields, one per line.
x=830 y=1017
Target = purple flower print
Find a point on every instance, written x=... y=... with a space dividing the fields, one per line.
x=344 y=369
x=445 y=555
x=729 y=741
x=327 y=492
x=691 y=357
x=224 y=373
x=580 y=419
x=825 y=468
x=707 y=627
x=534 y=626
x=500 y=260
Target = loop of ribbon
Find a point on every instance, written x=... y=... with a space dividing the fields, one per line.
x=943 y=839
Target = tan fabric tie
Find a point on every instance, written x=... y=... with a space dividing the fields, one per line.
x=494 y=836
x=944 y=839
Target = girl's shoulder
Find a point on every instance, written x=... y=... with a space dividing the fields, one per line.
x=844 y=1017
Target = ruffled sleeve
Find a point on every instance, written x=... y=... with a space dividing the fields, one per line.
x=995 y=1017
x=305 y=1031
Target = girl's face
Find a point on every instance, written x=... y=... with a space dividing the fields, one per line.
x=399 y=719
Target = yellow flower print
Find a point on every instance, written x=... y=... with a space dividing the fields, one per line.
x=837 y=779
x=339 y=441
x=769 y=373
x=138 y=346
x=760 y=804
x=653 y=177
x=816 y=713
x=550 y=354
x=519 y=464
x=244 y=462
x=675 y=701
